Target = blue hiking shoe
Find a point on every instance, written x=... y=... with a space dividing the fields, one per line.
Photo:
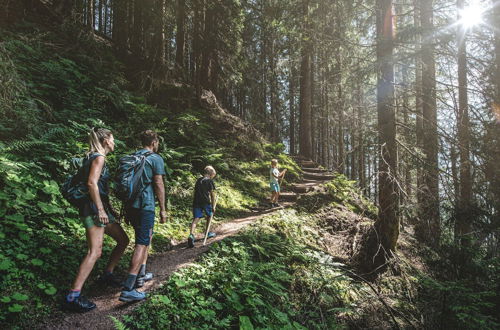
x=139 y=283
x=211 y=234
x=132 y=295
x=191 y=241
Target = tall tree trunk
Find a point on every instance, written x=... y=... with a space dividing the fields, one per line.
x=198 y=21
x=292 y=77
x=429 y=228
x=305 y=143
x=495 y=158
x=464 y=217
x=158 y=42
x=388 y=222
x=361 y=151
x=107 y=20
x=496 y=23
x=326 y=114
x=273 y=93
x=91 y=14
x=419 y=129
x=120 y=35
x=312 y=86
x=137 y=29
x=99 y=15
x=180 y=35
x=207 y=43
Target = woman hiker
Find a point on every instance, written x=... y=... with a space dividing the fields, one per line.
x=98 y=217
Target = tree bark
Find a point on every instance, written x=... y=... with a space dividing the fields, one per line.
x=99 y=15
x=91 y=14
x=305 y=143
x=120 y=30
x=429 y=229
x=464 y=217
x=207 y=42
x=199 y=17
x=180 y=35
x=388 y=222
x=292 y=77
x=312 y=86
x=137 y=29
x=419 y=129
x=340 y=108
x=158 y=41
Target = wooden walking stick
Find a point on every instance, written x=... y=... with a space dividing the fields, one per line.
x=210 y=221
x=282 y=177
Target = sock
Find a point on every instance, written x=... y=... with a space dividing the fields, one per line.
x=130 y=282
x=142 y=270
x=72 y=295
x=108 y=273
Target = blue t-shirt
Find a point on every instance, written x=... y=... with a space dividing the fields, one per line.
x=154 y=166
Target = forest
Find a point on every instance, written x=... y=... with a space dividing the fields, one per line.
x=385 y=115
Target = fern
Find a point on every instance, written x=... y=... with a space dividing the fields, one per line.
x=57 y=132
x=118 y=324
x=16 y=147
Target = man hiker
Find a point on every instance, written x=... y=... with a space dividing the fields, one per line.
x=141 y=214
x=204 y=202
x=274 y=176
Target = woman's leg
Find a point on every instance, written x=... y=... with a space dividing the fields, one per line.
x=95 y=235
x=120 y=236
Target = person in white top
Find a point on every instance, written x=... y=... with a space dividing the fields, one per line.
x=274 y=176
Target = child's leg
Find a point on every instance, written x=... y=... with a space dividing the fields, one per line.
x=193 y=225
x=206 y=223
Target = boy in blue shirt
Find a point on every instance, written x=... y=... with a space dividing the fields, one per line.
x=204 y=201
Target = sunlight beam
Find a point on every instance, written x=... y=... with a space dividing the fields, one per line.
x=471 y=16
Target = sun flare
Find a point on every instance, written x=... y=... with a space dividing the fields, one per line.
x=472 y=15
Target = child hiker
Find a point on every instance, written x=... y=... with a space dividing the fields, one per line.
x=274 y=176
x=204 y=202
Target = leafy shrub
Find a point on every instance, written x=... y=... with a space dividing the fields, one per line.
x=258 y=279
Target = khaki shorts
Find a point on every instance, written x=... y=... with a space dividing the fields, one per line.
x=93 y=220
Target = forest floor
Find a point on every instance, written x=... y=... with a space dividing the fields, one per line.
x=164 y=264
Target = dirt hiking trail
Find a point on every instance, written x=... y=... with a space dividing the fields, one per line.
x=163 y=264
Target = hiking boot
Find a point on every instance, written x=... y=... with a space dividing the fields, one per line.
x=191 y=241
x=132 y=295
x=79 y=305
x=110 y=280
x=211 y=234
x=139 y=283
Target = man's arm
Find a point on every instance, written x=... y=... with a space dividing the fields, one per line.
x=159 y=188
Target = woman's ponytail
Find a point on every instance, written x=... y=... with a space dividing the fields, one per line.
x=96 y=139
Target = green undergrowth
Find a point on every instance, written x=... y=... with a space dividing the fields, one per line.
x=267 y=277
x=278 y=274
x=339 y=191
x=54 y=93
